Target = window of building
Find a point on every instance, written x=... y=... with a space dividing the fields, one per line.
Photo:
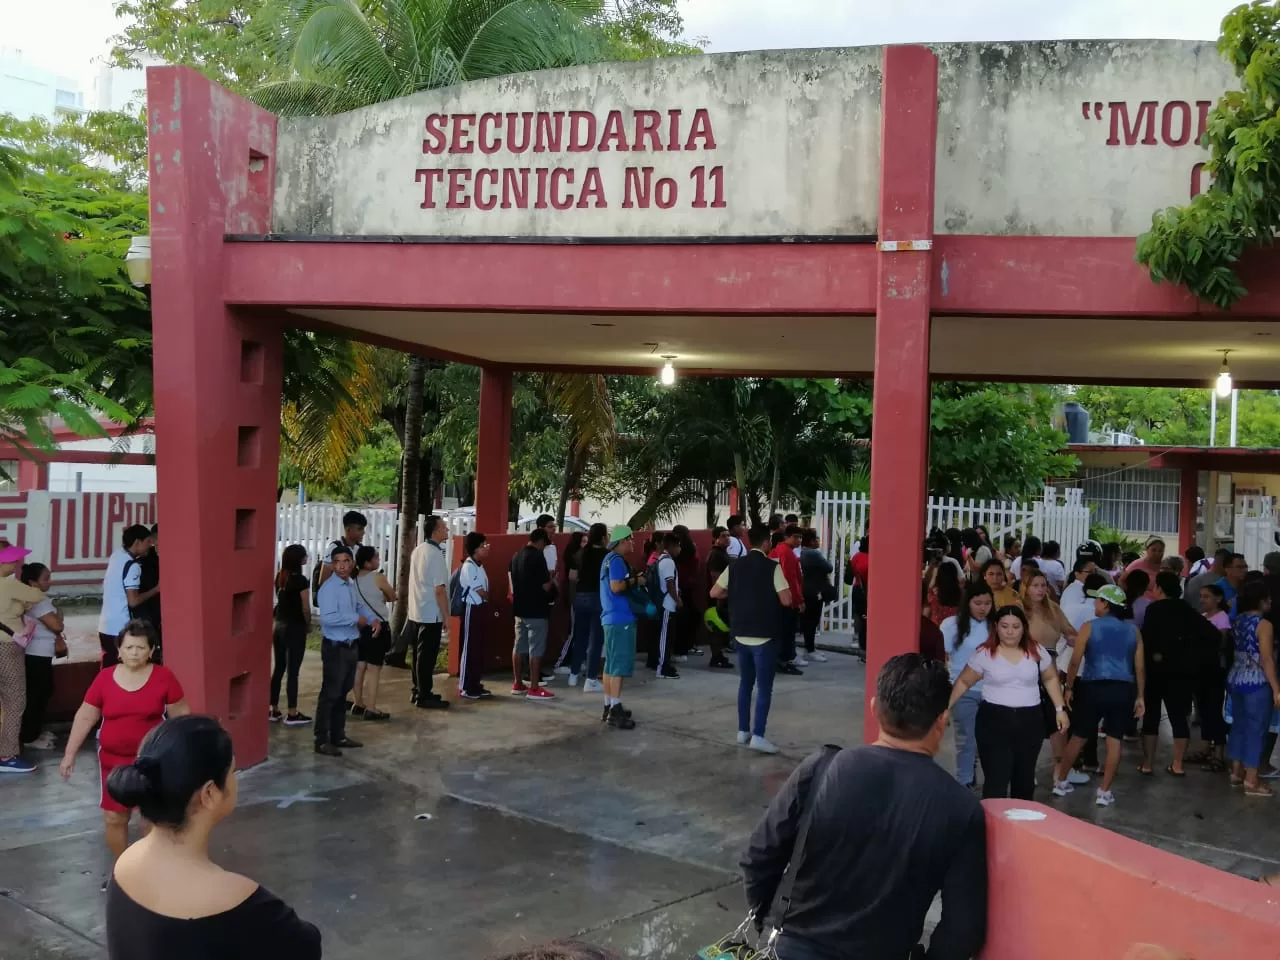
x=66 y=98
x=8 y=476
x=1136 y=500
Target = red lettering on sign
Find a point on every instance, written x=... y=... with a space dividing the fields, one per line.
x=515 y=188
x=699 y=176
x=637 y=186
x=701 y=128
x=1120 y=118
x=1175 y=112
x=550 y=127
x=592 y=189
x=613 y=133
x=490 y=142
x=673 y=129
x=561 y=176
x=431 y=177
x=435 y=133
x=664 y=193
x=519 y=144
x=647 y=122
x=486 y=201
x=459 y=181
x=582 y=131
x=543 y=174
x=462 y=133
x=1202 y=121
x=1197 y=180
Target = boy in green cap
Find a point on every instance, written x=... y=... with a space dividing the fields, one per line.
x=619 y=624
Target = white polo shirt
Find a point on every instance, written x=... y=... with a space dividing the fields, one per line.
x=550 y=554
x=471 y=578
x=736 y=548
x=115 y=602
x=427 y=570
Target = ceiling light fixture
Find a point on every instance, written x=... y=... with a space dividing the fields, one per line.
x=1223 y=384
x=668 y=375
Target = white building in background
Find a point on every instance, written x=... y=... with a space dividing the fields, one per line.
x=115 y=88
x=28 y=90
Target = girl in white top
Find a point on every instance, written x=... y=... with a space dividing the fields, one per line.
x=1010 y=725
x=47 y=643
x=376 y=591
x=961 y=636
x=477 y=617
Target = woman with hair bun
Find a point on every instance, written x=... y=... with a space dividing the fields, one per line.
x=166 y=898
x=130 y=699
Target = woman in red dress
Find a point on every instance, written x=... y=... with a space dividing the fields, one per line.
x=130 y=699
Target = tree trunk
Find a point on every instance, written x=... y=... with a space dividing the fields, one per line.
x=775 y=491
x=566 y=485
x=411 y=462
x=753 y=508
x=657 y=495
x=712 y=506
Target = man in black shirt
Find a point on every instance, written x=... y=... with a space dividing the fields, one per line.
x=532 y=591
x=890 y=828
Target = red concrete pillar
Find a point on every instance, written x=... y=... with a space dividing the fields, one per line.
x=217 y=396
x=733 y=500
x=900 y=406
x=493 y=454
x=575 y=507
x=1188 y=493
x=32 y=475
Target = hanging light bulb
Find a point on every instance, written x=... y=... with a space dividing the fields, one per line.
x=1223 y=384
x=668 y=376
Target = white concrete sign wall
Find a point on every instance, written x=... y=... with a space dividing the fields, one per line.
x=1067 y=138
x=734 y=145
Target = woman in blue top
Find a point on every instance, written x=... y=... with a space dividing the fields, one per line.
x=1252 y=686
x=962 y=635
x=1111 y=687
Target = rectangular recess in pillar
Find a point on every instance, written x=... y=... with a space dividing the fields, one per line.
x=252 y=361
x=246 y=529
x=238 y=697
x=241 y=613
x=248 y=447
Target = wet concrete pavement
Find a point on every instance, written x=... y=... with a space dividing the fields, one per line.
x=541 y=822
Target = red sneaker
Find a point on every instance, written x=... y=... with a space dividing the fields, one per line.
x=519 y=689
x=540 y=693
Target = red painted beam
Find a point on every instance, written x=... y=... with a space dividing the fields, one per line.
x=1188 y=490
x=8 y=451
x=493 y=450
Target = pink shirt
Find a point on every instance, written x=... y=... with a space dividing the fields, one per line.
x=1220 y=620
x=1142 y=564
x=1010 y=684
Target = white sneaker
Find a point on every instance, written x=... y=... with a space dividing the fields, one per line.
x=573 y=679
x=1104 y=798
x=817 y=657
x=761 y=745
x=1062 y=787
x=592 y=686
x=563 y=672
x=799 y=662
x=46 y=741
x=695 y=652
x=1077 y=777
x=744 y=737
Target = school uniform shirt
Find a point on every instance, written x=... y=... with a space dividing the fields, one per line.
x=552 y=556
x=115 y=601
x=17 y=598
x=779 y=584
x=471 y=579
x=42 y=638
x=667 y=571
x=340 y=610
x=1079 y=609
x=736 y=548
x=1010 y=684
x=961 y=649
x=1054 y=572
x=427 y=571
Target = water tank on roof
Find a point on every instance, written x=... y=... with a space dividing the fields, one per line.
x=1077 y=418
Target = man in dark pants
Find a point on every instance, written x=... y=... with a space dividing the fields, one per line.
x=784 y=552
x=342 y=614
x=428 y=606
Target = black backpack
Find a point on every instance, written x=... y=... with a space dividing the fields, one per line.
x=653 y=584
x=315 y=573
x=458 y=594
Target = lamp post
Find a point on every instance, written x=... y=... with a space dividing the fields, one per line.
x=137 y=261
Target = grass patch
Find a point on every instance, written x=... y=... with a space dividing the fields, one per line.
x=314 y=638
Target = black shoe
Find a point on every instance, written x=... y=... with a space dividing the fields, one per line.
x=376 y=715
x=720 y=662
x=620 y=719
x=669 y=673
x=400 y=663
x=434 y=703
x=605 y=715
x=297 y=720
x=275 y=716
x=484 y=693
x=328 y=750
x=349 y=744
x=354 y=709
x=791 y=670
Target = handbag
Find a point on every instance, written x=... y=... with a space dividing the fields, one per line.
x=1048 y=712
x=829 y=593
x=24 y=638
x=736 y=945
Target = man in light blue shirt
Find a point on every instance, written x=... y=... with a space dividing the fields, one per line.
x=342 y=614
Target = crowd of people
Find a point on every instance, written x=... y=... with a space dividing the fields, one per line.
x=1104 y=650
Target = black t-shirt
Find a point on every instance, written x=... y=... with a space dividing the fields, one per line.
x=263 y=927
x=890 y=830
x=149 y=579
x=589 y=566
x=528 y=575
x=289 y=599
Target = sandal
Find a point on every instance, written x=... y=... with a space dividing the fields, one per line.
x=1200 y=756
x=1236 y=781
x=1146 y=771
x=1214 y=765
x=1258 y=790
x=1174 y=773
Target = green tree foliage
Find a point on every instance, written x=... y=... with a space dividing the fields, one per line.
x=1199 y=245
x=1180 y=417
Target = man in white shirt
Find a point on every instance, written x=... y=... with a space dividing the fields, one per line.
x=428 y=607
x=737 y=537
x=1052 y=567
x=669 y=578
x=120 y=590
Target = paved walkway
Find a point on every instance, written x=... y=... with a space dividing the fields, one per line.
x=539 y=822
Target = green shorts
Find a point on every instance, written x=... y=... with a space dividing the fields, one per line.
x=619 y=649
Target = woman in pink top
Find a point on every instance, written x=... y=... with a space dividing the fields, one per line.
x=1010 y=728
x=1151 y=562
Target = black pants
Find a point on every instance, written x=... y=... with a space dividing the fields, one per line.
x=339 y=660
x=476 y=620
x=809 y=621
x=1174 y=690
x=1210 y=692
x=787 y=635
x=289 y=641
x=39 y=690
x=1009 y=740
x=110 y=650
x=424 y=641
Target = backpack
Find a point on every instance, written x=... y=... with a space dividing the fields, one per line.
x=656 y=589
x=850 y=578
x=458 y=594
x=315 y=573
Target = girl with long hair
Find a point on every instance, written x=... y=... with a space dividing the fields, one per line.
x=376 y=591
x=962 y=635
x=1211 y=680
x=289 y=635
x=1010 y=725
x=588 y=633
x=1253 y=688
x=945 y=593
x=1050 y=628
x=46 y=643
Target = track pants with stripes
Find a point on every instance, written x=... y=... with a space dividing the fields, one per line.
x=475 y=631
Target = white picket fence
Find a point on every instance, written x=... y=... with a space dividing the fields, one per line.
x=841 y=520
x=1256 y=526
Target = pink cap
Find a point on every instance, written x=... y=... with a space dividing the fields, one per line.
x=13 y=554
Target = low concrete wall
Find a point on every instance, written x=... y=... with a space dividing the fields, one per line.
x=70 y=683
x=1061 y=889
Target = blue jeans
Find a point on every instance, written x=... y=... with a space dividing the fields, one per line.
x=1250 y=717
x=756 y=667
x=964 y=716
x=588 y=634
